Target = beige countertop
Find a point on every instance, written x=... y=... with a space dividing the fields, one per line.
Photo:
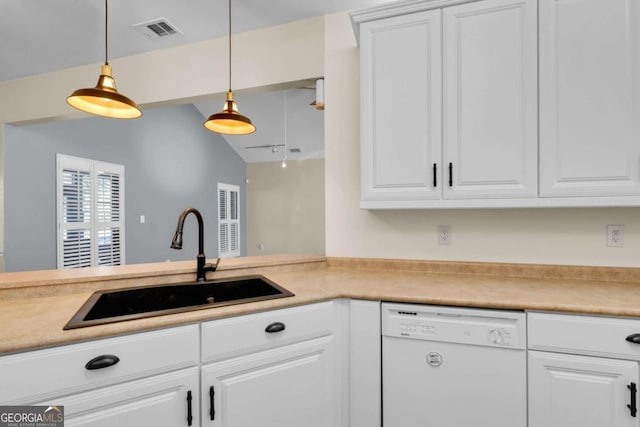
x=33 y=312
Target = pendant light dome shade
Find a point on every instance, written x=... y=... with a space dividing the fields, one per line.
x=104 y=99
x=229 y=121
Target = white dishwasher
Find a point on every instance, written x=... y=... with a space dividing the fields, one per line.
x=453 y=367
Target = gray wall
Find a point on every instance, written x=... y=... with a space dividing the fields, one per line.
x=171 y=162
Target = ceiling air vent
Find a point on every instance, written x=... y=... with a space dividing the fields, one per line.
x=157 y=28
x=294 y=150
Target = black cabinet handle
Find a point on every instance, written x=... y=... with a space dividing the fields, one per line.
x=102 y=361
x=634 y=338
x=275 y=327
x=632 y=406
x=189 y=414
x=435 y=176
x=212 y=411
x=450 y=174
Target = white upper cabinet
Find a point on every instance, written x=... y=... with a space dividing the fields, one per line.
x=589 y=97
x=500 y=103
x=490 y=100
x=401 y=67
x=472 y=68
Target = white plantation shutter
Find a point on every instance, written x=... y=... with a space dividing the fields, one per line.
x=228 y=220
x=75 y=230
x=234 y=223
x=90 y=198
x=109 y=219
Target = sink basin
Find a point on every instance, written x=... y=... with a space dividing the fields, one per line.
x=135 y=303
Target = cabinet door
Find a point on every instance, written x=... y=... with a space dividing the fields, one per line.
x=401 y=65
x=289 y=386
x=589 y=97
x=158 y=401
x=490 y=99
x=579 y=391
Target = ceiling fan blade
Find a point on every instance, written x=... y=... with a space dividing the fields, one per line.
x=264 y=146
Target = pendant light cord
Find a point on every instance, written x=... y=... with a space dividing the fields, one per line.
x=229 y=45
x=106 y=32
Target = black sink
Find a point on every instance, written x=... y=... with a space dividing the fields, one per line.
x=135 y=303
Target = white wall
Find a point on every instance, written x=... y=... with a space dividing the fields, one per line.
x=170 y=162
x=284 y=53
x=285 y=207
x=552 y=236
x=295 y=52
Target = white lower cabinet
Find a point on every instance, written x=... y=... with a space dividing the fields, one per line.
x=316 y=365
x=167 y=400
x=149 y=378
x=287 y=386
x=583 y=371
x=280 y=368
x=273 y=369
x=567 y=390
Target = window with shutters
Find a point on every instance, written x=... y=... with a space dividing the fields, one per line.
x=228 y=220
x=90 y=212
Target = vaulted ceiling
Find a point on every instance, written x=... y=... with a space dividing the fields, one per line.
x=39 y=36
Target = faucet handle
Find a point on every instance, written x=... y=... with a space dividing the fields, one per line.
x=212 y=267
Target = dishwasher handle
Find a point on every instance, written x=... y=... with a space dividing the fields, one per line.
x=449 y=315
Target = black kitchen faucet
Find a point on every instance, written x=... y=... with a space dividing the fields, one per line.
x=176 y=243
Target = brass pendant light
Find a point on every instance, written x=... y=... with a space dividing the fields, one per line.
x=230 y=121
x=104 y=99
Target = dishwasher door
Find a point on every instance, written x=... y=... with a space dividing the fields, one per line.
x=451 y=367
x=440 y=384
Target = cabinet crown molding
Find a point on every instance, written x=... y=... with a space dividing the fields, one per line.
x=395 y=9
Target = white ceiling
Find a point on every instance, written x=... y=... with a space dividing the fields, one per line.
x=40 y=36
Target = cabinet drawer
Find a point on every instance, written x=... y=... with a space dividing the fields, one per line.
x=246 y=334
x=41 y=374
x=590 y=335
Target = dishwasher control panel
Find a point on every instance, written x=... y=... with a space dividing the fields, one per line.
x=495 y=328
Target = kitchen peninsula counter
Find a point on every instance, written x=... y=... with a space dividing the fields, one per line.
x=35 y=306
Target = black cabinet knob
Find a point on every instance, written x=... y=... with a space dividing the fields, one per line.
x=634 y=338
x=275 y=327
x=102 y=361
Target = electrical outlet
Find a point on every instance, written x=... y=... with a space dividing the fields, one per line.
x=615 y=236
x=444 y=234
